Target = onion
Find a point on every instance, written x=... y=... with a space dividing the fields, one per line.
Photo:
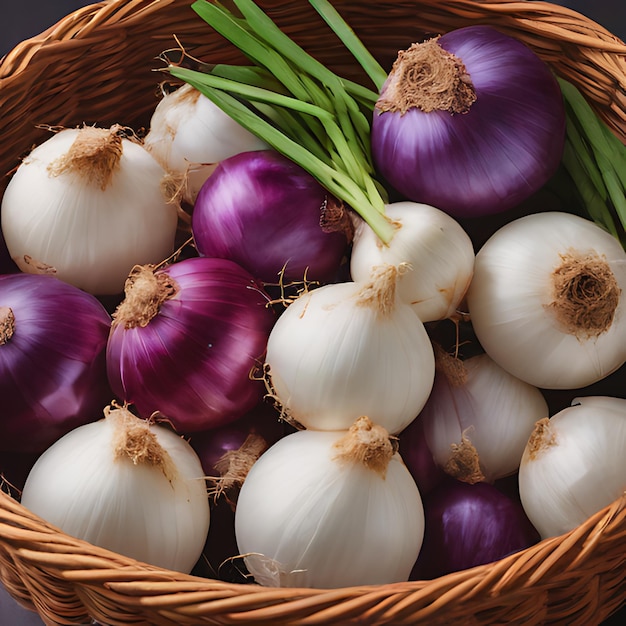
x=189 y=136
x=126 y=485
x=574 y=464
x=468 y=525
x=330 y=509
x=348 y=349
x=546 y=300
x=88 y=205
x=478 y=418
x=270 y=216
x=437 y=252
x=478 y=131
x=185 y=341
x=52 y=360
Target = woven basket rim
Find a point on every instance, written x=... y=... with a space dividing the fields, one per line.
x=35 y=558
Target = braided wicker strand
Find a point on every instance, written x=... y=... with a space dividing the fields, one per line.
x=96 y=66
x=577 y=578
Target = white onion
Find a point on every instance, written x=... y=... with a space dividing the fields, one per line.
x=189 y=135
x=574 y=464
x=125 y=485
x=330 y=509
x=88 y=205
x=348 y=349
x=547 y=300
x=438 y=253
x=478 y=418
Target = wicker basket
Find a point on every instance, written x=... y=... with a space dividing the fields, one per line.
x=96 y=66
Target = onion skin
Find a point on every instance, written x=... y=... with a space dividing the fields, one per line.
x=263 y=211
x=192 y=362
x=493 y=157
x=468 y=525
x=52 y=369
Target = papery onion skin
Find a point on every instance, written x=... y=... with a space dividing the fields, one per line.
x=193 y=361
x=52 y=369
x=469 y=525
x=264 y=212
x=491 y=158
x=510 y=301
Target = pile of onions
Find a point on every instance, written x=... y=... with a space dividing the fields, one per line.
x=186 y=339
x=87 y=205
x=126 y=485
x=471 y=122
x=52 y=360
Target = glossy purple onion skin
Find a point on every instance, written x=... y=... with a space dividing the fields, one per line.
x=263 y=211
x=52 y=370
x=193 y=360
x=490 y=159
x=468 y=525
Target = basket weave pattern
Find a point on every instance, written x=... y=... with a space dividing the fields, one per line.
x=96 y=67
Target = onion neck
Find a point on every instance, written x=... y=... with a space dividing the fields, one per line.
x=464 y=462
x=133 y=440
x=429 y=78
x=380 y=292
x=94 y=156
x=145 y=291
x=542 y=438
x=7 y=324
x=234 y=465
x=585 y=295
x=367 y=444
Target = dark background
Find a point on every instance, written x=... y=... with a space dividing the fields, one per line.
x=21 y=19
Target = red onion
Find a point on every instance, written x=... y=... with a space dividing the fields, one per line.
x=266 y=213
x=185 y=340
x=418 y=458
x=488 y=141
x=468 y=525
x=52 y=360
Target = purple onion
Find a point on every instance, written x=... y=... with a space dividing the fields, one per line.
x=492 y=153
x=266 y=213
x=418 y=458
x=185 y=341
x=468 y=525
x=52 y=360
